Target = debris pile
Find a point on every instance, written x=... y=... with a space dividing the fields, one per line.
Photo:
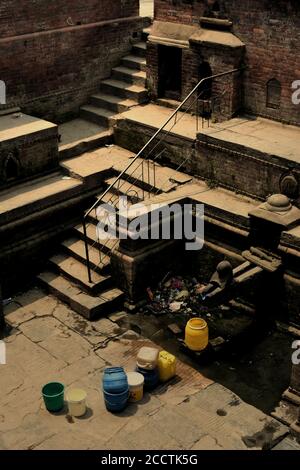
x=176 y=294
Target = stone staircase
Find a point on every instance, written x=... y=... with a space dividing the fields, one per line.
x=125 y=88
x=66 y=275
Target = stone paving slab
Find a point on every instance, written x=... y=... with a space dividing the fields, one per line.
x=263 y=135
x=40 y=190
x=12 y=128
x=155 y=116
x=95 y=332
x=190 y=412
x=288 y=444
x=232 y=422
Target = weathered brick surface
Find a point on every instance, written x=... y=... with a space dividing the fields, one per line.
x=51 y=71
x=257 y=174
x=23 y=16
x=35 y=153
x=271 y=33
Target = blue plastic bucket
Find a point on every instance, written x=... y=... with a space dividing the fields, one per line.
x=115 y=380
x=116 y=401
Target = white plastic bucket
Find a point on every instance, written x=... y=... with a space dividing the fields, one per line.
x=76 y=399
x=136 y=386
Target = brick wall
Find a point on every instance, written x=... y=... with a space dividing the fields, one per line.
x=251 y=172
x=24 y=16
x=50 y=73
x=226 y=90
x=271 y=32
x=180 y=11
x=33 y=153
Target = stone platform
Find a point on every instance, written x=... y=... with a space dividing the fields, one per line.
x=245 y=154
x=51 y=342
x=28 y=147
x=269 y=137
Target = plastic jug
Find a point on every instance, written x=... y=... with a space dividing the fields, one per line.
x=147 y=358
x=196 y=334
x=166 y=366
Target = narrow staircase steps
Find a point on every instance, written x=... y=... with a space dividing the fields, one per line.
x=91 y=307
x=76 y=272
x=112 y=102
x=97 y=115
x=124 y=90
x=134 y=62
x=76 y=247
x=105 y=245
x=136 y=77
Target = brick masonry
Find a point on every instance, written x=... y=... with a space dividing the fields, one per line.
x=52 y=57
x=256 y=174
x=31 y=153
x=271 y=35
x=29 y=17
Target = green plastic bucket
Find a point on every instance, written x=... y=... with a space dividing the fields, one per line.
x=53 y=394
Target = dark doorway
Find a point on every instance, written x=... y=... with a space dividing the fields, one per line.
x=11 y=169
x=170 y=67
x=205 y=90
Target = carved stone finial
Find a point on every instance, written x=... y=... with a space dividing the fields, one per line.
x=278 y=203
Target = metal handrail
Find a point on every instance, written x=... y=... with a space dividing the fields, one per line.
x=123 y=172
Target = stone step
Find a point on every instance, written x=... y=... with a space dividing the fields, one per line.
x=137 y=77
x=97 y=115
x=112 y=198
x=124 y=90
x=105 y=245
x=145 y=34
x=75 y=247
x=134 y=62
x=82 y=146
x=111 y=102
x=140 y=49
x=79 y=136
x=91 y=307
x=76 y=272
x=25 y=198
x=152 y=177
x=124 y=188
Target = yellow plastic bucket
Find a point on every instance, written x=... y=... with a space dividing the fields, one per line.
x=166 y=366
x=76 y=399
x=196 y=334
x=136 y=386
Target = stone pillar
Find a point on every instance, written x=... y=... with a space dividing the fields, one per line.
x=295 y=427
x=295 y=380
